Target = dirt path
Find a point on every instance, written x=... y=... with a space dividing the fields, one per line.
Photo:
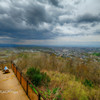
x=10 y=88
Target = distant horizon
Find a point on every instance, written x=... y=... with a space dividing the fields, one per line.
x=24 y=45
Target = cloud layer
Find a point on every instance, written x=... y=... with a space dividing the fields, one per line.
x=48 y=20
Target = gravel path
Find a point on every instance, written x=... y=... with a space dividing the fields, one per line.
x=10 y=88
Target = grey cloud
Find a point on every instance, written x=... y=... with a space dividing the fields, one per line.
x=28 y=34
x=84 y=27
x=94 y=24
x=76 y=2
x=88 y=18
x=21 y=21
x=36 y=14
x=54 y=2
x=32 y=15
x=97 y=32
x=73 y=35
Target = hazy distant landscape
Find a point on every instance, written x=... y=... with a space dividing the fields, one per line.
x=72 y=73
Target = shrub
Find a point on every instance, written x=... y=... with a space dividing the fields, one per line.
x=96 y=54
x=38 y=78
x=75 y=91
x=88 y=83
x=53 y=94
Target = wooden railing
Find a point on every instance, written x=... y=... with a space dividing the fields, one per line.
x=26 y=84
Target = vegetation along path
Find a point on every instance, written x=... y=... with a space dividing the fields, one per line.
x=10 y=88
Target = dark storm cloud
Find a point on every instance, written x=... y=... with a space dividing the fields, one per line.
x=28 y=19
x=28 y=34
x=22 y=21
x=88 y=18
x=16 y=22
x=54 y=2
x=36 y=15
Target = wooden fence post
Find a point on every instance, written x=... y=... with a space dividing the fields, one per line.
x=11 y=64
x=16 y=71
x=39 y=96
x=27 y=88
x=20 y=77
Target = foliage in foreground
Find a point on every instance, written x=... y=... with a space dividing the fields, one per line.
x=72 y=89
x=38 y=78
x=77 y=79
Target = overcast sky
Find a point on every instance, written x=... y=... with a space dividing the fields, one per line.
x=50 y=22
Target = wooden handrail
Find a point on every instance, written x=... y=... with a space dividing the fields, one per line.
x=28 y=81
